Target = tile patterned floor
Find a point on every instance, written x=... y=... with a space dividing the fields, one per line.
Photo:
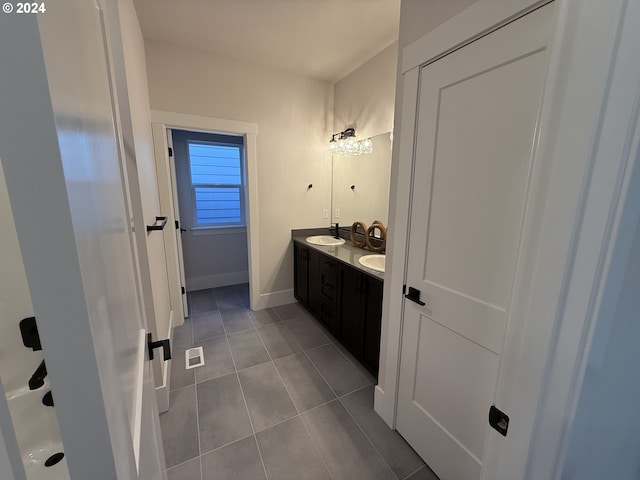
x=277 y=399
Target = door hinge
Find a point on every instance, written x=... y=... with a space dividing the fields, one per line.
x=177 y=224
x=404 y=289
x=183 y=290
x=498 y=420
x=170 y=152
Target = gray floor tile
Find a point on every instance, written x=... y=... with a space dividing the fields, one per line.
x=423 y=474
x=279 y=341
x=206 y=325
x=182 y=335
x=185 y=471
x=346 y=451
x=266 y=395
x=242 y=290
x=289 y=311
x=180 y=377
x=264 y=317
x=306 y=332
x=247 y=349
x=326 y=332
x=202 y=301
x=217 y=358
x=359 y=366
x=290 y=454
x=338 y=372
x=236 y=319
x=393 y=448
x=238 y=461
x=222 y=412
x=227 y=297
x=180 y=427
x=305 y=385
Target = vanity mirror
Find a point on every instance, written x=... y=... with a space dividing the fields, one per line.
x=360 y=185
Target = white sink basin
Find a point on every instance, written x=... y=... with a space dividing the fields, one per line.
x=325 y=240
x=374 y=262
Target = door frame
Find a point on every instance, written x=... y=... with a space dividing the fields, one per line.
x=537 y=381
x=162 y=120
x=176 y=214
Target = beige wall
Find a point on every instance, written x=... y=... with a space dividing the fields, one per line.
x=365 y=98
x=294 y=118
x=417 y=17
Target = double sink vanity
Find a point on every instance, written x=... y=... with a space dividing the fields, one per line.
x=331 y=281
x=338 y=283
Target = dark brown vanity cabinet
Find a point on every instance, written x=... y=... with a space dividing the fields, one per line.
x=360 y=314
x=347 y=301
x=328 y=292
x=306 y=278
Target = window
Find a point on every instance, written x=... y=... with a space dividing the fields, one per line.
x=217 y=183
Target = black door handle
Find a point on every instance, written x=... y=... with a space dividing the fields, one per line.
x=182 y=230
x=166 y=347
x=158 y=224
x=414 y=296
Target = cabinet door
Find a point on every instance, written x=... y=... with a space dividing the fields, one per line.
x=328 y=293
x=313 y=284
x=301 y=273
x=349 y=330
x=372 y=323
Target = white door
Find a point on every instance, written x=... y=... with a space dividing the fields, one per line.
x=476 y=124
x=128 y=63
x=160 y=326
x=69 y=207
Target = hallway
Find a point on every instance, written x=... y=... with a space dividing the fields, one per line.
x=278 y=398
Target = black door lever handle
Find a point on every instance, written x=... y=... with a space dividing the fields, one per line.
x=166 y=347
x=414 y=296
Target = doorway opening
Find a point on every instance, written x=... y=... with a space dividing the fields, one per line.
x=210 y=179
x=163 y=125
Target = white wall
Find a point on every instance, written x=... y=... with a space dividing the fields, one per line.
x=417 y=17
x=294 y=118
x=604 y=438
x=365 y=98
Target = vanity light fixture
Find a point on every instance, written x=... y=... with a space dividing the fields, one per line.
x=345 y=143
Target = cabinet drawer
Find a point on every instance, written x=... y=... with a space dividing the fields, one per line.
x=328 y=279
x=329 y=266
x=328 y=316
x=328 y=289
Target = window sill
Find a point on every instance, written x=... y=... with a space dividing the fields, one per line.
x=199 y=231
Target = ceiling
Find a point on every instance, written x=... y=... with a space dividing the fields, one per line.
x=322 y=39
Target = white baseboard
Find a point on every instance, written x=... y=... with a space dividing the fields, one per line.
x=217 y=280
x=378 y=406
x=273 y=299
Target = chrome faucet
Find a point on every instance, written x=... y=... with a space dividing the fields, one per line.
x=37 y=379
